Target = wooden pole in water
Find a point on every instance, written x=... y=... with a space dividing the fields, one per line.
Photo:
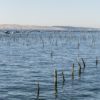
x=83 y=63
x=96 y=61
x=73 y=71
x=79 y=69
x=55 y=81
x=63 y=77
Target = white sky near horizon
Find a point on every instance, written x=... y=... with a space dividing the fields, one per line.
x=51 y=12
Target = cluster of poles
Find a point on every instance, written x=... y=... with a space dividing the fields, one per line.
x=81 y=67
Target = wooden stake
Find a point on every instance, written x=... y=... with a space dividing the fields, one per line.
x=73 y=71
x=55 y=82
x=79 y=69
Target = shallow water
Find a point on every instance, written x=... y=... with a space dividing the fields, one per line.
x=31 y=57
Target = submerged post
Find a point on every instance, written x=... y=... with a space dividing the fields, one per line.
x=96 y=61
x=79 y=70
x=73 y=71
x=55 y=82
x=83 y=63
x=63 y=77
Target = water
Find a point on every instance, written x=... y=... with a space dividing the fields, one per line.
x=31 y=57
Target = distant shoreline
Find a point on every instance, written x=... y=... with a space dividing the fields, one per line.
x=47 y=28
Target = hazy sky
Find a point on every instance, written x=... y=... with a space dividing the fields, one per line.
x=51 y=12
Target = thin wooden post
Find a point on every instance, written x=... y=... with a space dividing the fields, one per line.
x=73 y=71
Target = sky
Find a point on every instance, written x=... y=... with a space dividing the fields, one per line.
x=84 y=13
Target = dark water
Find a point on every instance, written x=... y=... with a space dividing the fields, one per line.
x=31 y=57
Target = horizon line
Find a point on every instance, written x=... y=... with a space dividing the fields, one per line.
x=50 y=25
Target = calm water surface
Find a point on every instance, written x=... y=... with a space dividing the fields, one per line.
x=31 y=57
